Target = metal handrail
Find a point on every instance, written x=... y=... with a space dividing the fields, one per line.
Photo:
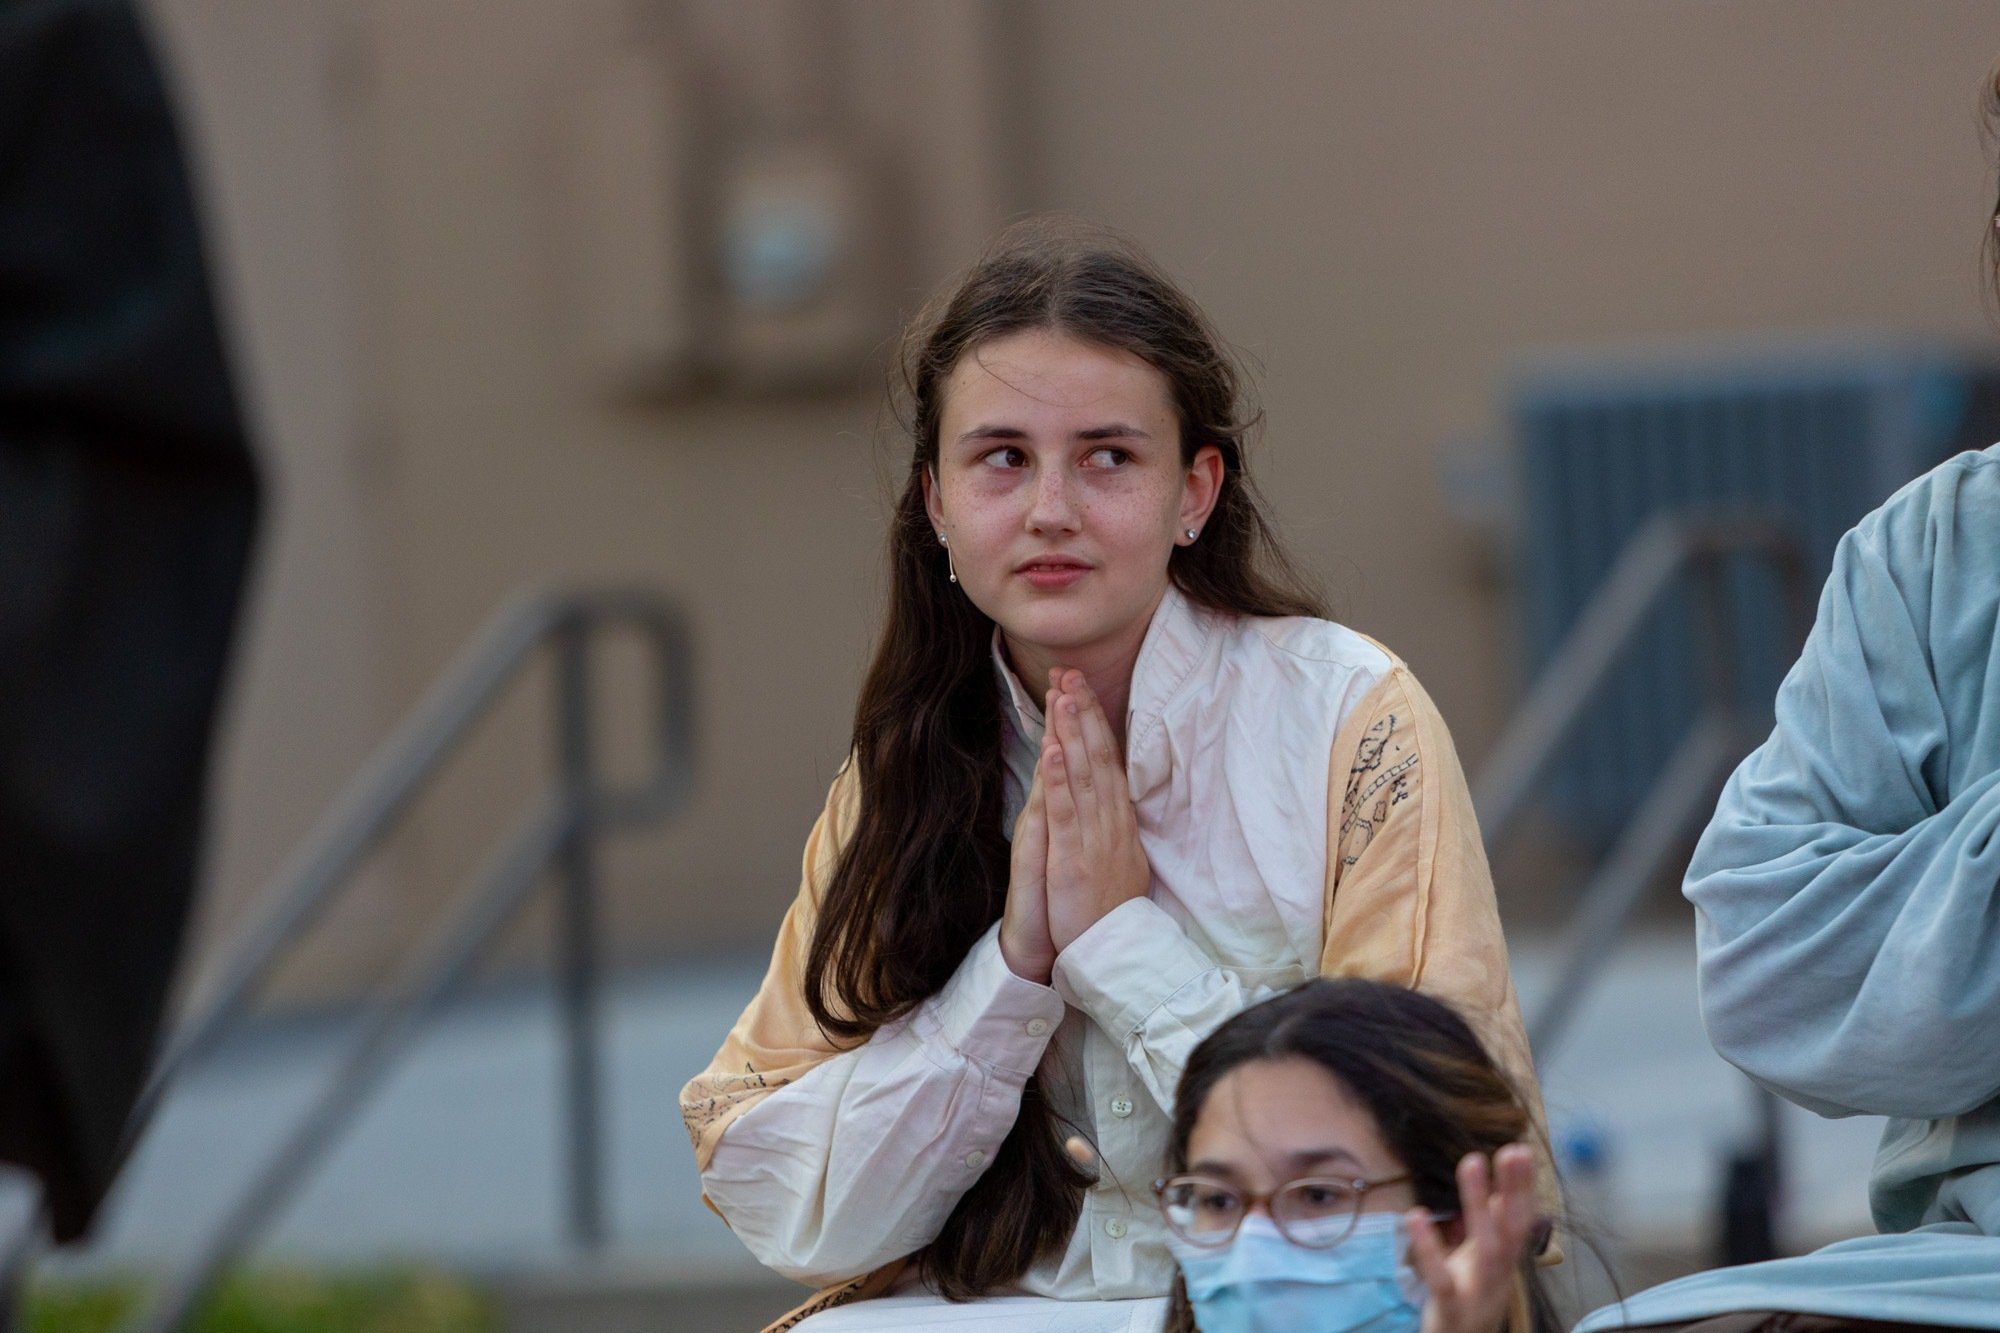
x=1656 y=562
x=1652 y=564
x=560 y=832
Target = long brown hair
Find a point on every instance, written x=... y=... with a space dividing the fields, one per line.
x=925 y=872
x=1412 y=1061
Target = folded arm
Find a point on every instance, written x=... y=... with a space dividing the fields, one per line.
x=1845 y=891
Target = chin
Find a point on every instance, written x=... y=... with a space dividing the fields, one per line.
x=1056 y=629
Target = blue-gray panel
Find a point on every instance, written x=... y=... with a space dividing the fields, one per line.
x=1816 y=438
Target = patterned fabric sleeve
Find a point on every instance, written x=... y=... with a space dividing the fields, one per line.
x=1409 y=895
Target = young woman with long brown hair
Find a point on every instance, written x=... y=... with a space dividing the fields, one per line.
x=1114 y=777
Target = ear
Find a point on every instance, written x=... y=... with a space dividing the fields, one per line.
x=933 y=502
x=1200 y=489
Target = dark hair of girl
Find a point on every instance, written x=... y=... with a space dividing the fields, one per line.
x=1433 y=1091
x=925 y=872
x=1989 y=246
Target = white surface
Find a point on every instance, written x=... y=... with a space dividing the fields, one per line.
x=999 y=1314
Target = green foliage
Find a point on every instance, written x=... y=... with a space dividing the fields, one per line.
x=278 y=1301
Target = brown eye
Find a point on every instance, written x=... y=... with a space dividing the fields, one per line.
x=1195 y=1208
x=1317 y=1198
x=1009 y=457
x=1220 y=1202
x=1316 y=1213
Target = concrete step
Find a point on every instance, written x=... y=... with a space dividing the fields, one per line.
x=649 y=1298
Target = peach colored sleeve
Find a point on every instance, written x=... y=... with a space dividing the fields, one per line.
x=841 y=1159
x=1409 y=895
x=776 y=1039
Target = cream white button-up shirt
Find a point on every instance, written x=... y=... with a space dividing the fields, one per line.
x=1302 y=811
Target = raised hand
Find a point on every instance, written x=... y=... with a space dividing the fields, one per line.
x=1024 y=924
x=1472 y=1284
x=1095 y=860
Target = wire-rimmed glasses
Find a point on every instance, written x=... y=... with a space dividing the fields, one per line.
x=1317 y=1212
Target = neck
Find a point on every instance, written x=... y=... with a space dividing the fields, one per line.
x=1106 y=665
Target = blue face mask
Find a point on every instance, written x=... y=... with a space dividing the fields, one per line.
x=1262 y=1283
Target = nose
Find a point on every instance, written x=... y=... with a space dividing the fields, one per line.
x=1054 y=508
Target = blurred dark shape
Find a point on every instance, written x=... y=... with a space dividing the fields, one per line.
x=127 y=499
x=1749 y=1231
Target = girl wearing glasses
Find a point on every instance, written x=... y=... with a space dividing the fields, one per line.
x=1347 y=1155
x=1114 y=777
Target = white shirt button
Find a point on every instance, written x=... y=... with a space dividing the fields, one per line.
x=1037 y=1026
x=1115 y=1228
x=1121 y=1107
x=975 y=1159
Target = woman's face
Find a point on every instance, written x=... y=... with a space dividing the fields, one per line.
x=1271 y=1122
x=1060 y=485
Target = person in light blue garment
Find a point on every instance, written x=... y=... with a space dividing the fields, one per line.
x=1847 y=900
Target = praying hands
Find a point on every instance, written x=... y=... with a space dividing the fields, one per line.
x=1076 y=852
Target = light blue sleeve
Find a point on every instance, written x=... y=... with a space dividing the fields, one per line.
x=1845 y=891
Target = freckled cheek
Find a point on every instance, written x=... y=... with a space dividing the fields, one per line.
x=1131 y=526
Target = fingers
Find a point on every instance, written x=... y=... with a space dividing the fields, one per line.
x=1497 y=1202
x=1097 y=738
x=1475 y=1208
x=1031 y=830
x=1474 y=1192
x=1096 y=861
x=1072 y=786
x=1427 y=1252
x=1083 y=773
x=1444 y=1303
x=1059 y=796
x=1515 y=1204
x=1469 y=1284
x=1090 y=749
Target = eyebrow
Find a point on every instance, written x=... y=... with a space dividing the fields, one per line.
x=1298 y=1161
x=1304 y=1161
x=1116 y=430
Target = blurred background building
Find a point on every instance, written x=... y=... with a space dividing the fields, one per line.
x=527 y=293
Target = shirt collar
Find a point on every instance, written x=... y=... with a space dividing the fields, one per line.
x=1176 y=640
x=1027 y=713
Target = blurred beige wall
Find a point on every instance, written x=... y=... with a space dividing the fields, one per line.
x=1384 y=204
x=266 y=95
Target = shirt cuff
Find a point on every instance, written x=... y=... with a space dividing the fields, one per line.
x=1127 y=965
x=991 y=1016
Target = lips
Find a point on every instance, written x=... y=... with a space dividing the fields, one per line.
x=1052 y=571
